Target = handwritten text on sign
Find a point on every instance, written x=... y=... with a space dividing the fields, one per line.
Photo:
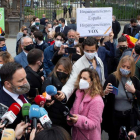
x=94 y=21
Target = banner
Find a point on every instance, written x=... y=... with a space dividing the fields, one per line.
x=94 y=21
x=2 y=19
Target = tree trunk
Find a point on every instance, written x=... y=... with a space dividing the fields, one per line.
x=32 y=4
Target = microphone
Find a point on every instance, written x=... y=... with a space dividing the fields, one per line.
x=51 y=90
x=10 y=116
x=34 y=114
x=40 y=100
x=25 y=113
x=8 y=134
x=44 y=118
x=65 y=110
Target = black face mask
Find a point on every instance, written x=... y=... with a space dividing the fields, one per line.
x=122 y=49
x=29 y=47
x=61 y=75
x=137 y=49
x=75 y=57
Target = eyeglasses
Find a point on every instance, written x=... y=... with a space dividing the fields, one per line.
x=59 y=39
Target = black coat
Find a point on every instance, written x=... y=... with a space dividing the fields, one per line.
x=116 y=28
x=65 y=32
x=110 y=101
x=127 y=30
x=34 y=80
x=42 y=21
x=55 y=111
x=73 y=26
x=41 y=47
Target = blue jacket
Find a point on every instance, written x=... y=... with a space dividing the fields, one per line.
x=48 y=55
x=21 y=59
x=104 y=54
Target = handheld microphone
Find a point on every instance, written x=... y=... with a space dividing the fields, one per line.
x=34 y=114
x=8 y=134
x=25 y=113
x=65 y=110
x=40 y=100
x=10 y=116
x=51 y=90
x=44 y=118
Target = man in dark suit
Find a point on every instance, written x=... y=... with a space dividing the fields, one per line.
x=38 y=25
x=26 y=45
x=15 y=85
x=42 y=20
x=62 y=27
x=132 y=28
x=73 y=25
x=34 y=76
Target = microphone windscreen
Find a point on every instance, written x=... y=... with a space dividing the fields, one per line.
x=15 y=108
x=34 y=111
x=40 y=100
x=25 y=109
x=51 y=90
x=8 y=134
x=43 y=112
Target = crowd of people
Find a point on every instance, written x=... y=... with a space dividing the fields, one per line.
x=97 y=79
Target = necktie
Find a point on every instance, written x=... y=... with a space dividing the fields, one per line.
x=61 y=29
x=21 y=97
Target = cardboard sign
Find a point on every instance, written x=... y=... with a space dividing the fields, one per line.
x=94 y=21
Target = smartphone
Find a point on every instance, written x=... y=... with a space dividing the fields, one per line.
x=115 y=90
x=129 y=82
x=70 y=50
x=3 y=109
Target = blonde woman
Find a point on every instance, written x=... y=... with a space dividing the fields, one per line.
x=88 y=107
x=121 y=98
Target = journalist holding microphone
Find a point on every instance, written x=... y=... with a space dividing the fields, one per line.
x=122 y=89
x=88 y=107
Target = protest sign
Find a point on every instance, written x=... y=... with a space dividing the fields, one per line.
x=94 y=21
x=2 y=21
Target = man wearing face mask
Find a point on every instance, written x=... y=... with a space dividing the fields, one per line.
x=89 y=59
x=40 y=43
x=38 y=25
x=15 y=86
x=2 y=44
x=62 y=27
x=49 y=52
x=131 y=29
x=46 y=31
x=26 y=45
x=35 y=59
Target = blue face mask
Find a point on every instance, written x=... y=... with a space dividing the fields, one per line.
x=60 y=25
x=3 y=48
x=124 y=72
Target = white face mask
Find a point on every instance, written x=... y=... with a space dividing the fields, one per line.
x=58 y=43
x=49 y=29
x=1 y=65
x=75 y=43
x=34 y=40
x=83 y=84
x=90 y=56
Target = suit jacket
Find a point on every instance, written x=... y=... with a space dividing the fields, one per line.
x=21 y=59
x=65 y=32
x=79 y=65
x=42 y=21
x=73 y=26
x=41 y=27
x=34 y=80
x=7 y=100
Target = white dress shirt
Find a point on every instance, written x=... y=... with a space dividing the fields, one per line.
x=61 y=28
x=25 y=53
x=14 y=96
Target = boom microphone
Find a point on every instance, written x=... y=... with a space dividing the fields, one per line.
x=34 y=114
x=8 y=134
x=44 y=118
x=40 y=100
x=10 y=116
